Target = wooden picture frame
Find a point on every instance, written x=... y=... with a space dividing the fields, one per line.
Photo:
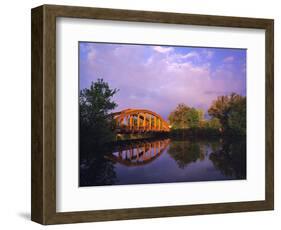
x=43 y=208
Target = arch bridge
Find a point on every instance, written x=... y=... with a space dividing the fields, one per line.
x=139 y=120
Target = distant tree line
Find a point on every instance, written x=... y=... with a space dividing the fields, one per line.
x=228 y=116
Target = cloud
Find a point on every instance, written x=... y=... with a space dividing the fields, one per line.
x=190 y=55
x=161 y=49
x=88 y=50
x=208 y=54
x=228 y=59
x=156 y=82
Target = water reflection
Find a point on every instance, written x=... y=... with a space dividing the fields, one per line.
x=185 y=152
x=231 y=159
x=95 y=169
x=163 y=161
x=139 y=153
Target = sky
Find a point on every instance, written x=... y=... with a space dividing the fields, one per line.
x=158 y=78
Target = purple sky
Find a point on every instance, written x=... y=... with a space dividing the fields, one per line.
x=158 y=78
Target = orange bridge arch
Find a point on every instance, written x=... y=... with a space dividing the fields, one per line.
x=139 y=120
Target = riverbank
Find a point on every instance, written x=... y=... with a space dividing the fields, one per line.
x=205 y=133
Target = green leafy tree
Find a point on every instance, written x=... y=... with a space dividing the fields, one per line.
x=213 y=123
x=237 y=117
x=184 y=117
x=201 y=117
x=177 y=117
x=231 y=112
x=95 y=105
x=193 y=117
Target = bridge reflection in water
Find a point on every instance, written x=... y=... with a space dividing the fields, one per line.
x=163 y=161
x=138 y=154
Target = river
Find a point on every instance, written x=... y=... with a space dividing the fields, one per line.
x=164 y=161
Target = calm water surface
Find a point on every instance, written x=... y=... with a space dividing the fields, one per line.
x=163 y=161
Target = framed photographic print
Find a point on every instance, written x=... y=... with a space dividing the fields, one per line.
x=140 y=114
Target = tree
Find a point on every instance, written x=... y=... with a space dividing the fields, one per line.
x=201 y=117
x=192 y=117
x=184 y=117
x=95 y=104
x=231 y=112
x=237 y=117
x=176 y=117
x=213 y=123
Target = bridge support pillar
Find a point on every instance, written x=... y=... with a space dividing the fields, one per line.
x=138 y=122
x=144 y=121
x=131 y=122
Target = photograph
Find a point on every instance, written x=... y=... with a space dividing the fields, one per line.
x=161 y=114
x=128 y=106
